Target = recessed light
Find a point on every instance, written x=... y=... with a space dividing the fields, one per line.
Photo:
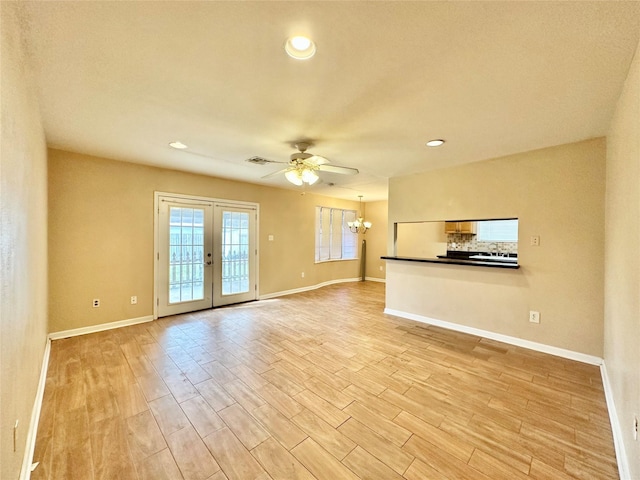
x=436 y=142
x=178 y=145
x=300 y=48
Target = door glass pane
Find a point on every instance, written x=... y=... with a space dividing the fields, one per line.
x=235 y=253
x=186 y=254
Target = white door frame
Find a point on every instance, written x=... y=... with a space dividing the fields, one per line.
x=156 y=231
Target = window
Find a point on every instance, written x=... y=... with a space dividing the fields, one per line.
x=498 y=230
x=334 y=240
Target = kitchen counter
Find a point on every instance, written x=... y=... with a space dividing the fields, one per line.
x=460 y=261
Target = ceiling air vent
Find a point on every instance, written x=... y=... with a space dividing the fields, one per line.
x=259 y=160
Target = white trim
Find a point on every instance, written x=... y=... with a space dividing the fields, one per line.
x=267 y=296
x=375 y=279
x=200 y=198
x=519 y=342
x=99 y=328
x=156 y=251
x=25 y=472
x=618 y=439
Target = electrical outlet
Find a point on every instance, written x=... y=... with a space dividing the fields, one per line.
x=534 y=317
x=535 y=241
x=302 y=275
x=134 y=300
x=96 y=302
x=635 y=427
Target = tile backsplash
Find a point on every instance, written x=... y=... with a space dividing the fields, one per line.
x=463 y=242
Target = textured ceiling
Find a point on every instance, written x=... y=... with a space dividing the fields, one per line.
x=123 y=79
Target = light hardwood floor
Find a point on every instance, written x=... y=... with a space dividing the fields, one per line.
x=318 y=385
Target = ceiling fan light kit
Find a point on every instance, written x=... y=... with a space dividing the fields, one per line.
x=300 y=176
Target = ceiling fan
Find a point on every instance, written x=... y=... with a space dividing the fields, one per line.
x=303 y=167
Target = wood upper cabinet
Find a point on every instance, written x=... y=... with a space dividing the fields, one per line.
x=460 y=227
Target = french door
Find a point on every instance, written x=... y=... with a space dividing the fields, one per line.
x=206 y=254
x=235 y=253
x=185 y=256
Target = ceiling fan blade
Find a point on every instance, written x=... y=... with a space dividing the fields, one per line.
x=317 y=160
x=338 y=169
x=273 y=174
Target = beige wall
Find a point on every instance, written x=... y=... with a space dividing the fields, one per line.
x=421 y=240
x=376 y=213
x=23 y=247
x=101 y=236
x=622 y=262
x=558 y=194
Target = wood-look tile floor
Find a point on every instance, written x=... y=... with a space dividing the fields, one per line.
x=318 y=385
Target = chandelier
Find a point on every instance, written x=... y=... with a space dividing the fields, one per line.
x=302 y=174
x=359 y=226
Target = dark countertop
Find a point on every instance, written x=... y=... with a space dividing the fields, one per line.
x=457 y=261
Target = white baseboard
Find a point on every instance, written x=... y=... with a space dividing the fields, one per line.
x=25 y=472
x=519 y=342
x=375 y=279
x=618 y=440
x=99 y=328
x=267 y=296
